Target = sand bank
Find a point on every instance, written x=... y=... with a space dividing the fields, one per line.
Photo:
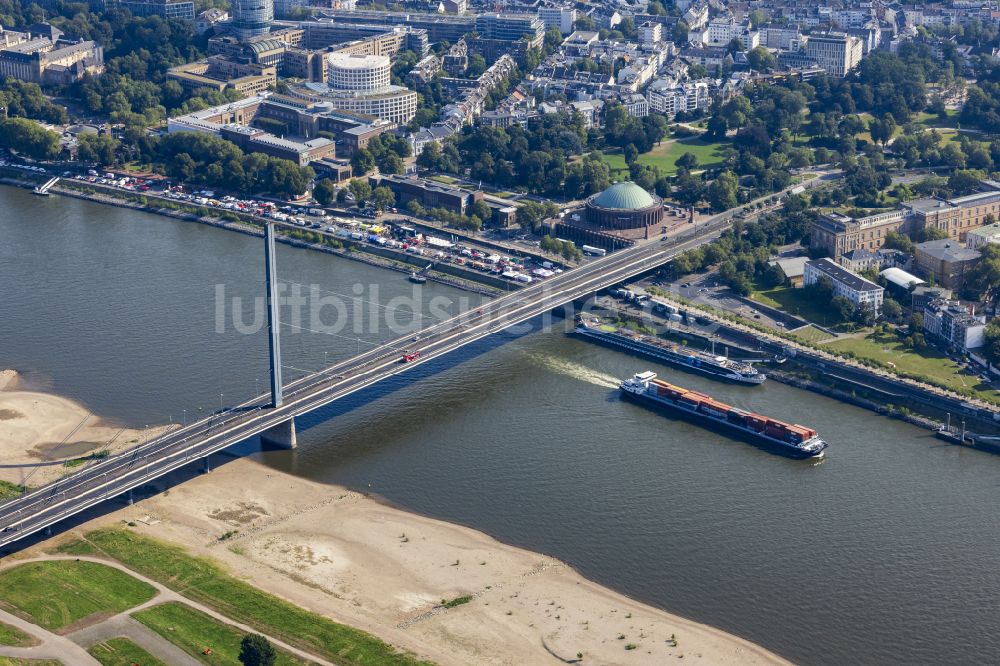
x=41 y=432
x=360 y=562
x=379 y=568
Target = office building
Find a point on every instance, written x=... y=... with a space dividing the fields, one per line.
x=252 y=18
x=836 y=52
x=40 y=55
x=357 y=72
x=946 y=261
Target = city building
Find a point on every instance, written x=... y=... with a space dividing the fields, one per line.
x=650 y=33
x=946 y=261
x=357 y=72
x=839 y=234
x=624 y=206
x=395 y=104
x=297 y=121
x=218 y=73
x=438 y=27
x=958 y=217
x=854 y=288
x=251 y=18
x=252 y=139
x=793 y=268
x=863 y=259
x=168 y=9
x=954 y=324
x=210 y=18
x=429 y=193
x=40 y=55
x=977 y=238
x=559 y=17
x=899 y=281
x=836 y=52
x=511 y=27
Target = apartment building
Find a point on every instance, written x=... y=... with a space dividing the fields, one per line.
x=954 y=324
x=854 y=288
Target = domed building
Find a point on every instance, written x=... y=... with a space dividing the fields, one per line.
x=624 y=206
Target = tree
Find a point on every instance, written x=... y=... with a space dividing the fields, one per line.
x=256 y=650
x=882 y=130
x=476 y=66
x=687 y=161
x=362 y=161
x=324 y=192
x=28 y=137
x=991 y=349
x=897 y=241
x=722 y=192
x=360 y=189
x=842 y=308
x=892 y=310
x=761 y=59
x=383 y=198
x=99 y=149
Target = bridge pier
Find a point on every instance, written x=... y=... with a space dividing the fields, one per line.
x=281 y=436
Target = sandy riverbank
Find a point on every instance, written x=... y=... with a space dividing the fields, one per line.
x=360 y=562
x=48 y=429
x=379 y=568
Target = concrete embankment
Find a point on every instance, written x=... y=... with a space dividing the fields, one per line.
x=840 y=378
x=388 y=258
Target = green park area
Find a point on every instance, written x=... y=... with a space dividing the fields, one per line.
x=200 y=635
x=798 y=302
x=665 y=155
x=929 y=364
x=122 y=652
x=58 y=594
x=206 y=582
x=14 y=637
x=15 y=661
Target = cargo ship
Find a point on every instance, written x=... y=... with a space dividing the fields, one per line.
x=787 y=439
x=718 y=367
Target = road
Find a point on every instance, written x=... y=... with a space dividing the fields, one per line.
x=111 y=477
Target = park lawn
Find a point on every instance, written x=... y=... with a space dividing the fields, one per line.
x=206 y=582
x=930 y=120
x=447 y=180
x=9 y=491
x=15 y=661
x=810 y=334
x=797 y=302
x=195 y=633
x=122 y=652
x=665 y=155
x=14 y=637
x=930 y=363
x=59 y=593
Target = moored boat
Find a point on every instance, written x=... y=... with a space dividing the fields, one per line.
x=652 y=347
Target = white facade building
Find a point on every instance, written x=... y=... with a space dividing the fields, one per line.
x=853 y=287
x=348 y=71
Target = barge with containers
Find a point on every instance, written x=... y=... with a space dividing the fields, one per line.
x=652 y=347
x=787 y=439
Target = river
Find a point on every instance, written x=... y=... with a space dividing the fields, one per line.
x=884 y=552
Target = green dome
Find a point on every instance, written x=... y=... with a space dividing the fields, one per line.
x=624 y=196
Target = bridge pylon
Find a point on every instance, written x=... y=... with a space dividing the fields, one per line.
x=273 y=322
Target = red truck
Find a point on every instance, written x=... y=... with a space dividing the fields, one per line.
x=410 y=356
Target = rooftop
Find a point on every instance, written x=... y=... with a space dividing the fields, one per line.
x=845 y=277
x=624 y=196
x=947 y=250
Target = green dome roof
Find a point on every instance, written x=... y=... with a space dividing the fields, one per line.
x=624 y=196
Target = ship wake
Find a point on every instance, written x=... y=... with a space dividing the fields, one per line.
x=576 y=371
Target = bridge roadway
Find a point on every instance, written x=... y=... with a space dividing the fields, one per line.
x=111 y=477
